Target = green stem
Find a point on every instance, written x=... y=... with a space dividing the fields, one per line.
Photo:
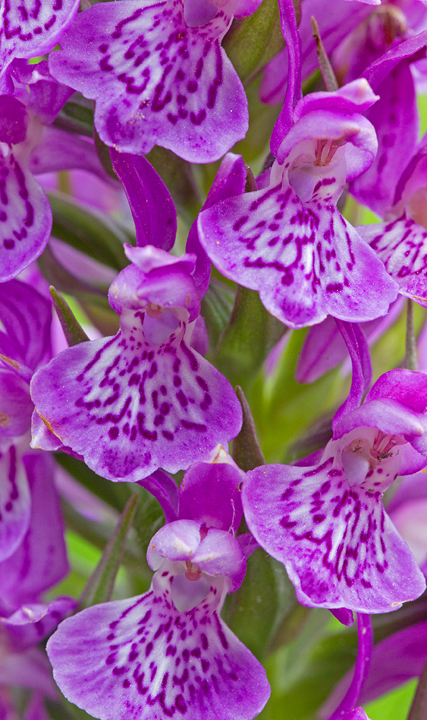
x=325 y=66
x=411 y=362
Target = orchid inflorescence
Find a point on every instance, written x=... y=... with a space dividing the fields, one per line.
x=228 y=193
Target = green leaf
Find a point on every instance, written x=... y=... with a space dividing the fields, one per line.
x=149 y=518
x=76 y=116
x=248 y=338
x=73 y=332
x=103 y=152
x=246 y=450
x=287 y=408
x=261 y=122
x=217 y=305
x=90 y=231
x=304 y=672
x=98 y=533
x=255 y=40
x=256 y=610
x=100 y=586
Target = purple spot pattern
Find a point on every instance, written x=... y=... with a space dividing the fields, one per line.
x=338 y=544
x=31 y=27
x=402 y=246
x=155 y=79
x=129 y=407
x=150 y=661
x=25 y=218
x=15 y=503
x=304 y=258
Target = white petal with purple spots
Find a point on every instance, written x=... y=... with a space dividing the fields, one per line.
x=128 y=407
x=154 y=79
x=141 y=659
x=305 y=259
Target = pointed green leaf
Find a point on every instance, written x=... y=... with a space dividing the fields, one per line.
x=246 y=450
x=103 y=152
x=216 y=308
x=255 y=40
x=248 y=338
x=256 y=610
x=90 y=231
x=325 y=66
x=73 y=332
x=100 y=586
x=76 y=116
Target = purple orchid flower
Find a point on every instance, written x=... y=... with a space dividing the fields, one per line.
x=168 y=651
x=326 y=522
x=158 y=75
x=142 y=399
x=401 y=241
x=288 y=240
x=31 y=29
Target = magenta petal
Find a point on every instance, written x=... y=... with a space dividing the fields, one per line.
x=60 y=150
x=141 y=658
x=293 y=90
x=15 y=501
x=200 y=489
x=28 y=669
x=343 y=615
x=40 y=561
x=395 y=660
x=165 y=490
x=395 y=118
x=16 y=407
x=13 y=120
x=32 y=622
x=130 y=408
x=219 y=553
x=33 y=29
x=404 y=386
x=361 y=367
x=25 y=218
x=151 y=203
x=364 y=652
x=183 y=94
x=336 y=542
x=26 y=317
x=270 y=241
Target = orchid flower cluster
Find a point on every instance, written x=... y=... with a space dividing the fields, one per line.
x=218 y=410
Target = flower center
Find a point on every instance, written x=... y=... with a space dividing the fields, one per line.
x=371 y=455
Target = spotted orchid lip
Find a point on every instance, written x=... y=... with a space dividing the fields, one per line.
x=182 y=94
x=133 y=403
